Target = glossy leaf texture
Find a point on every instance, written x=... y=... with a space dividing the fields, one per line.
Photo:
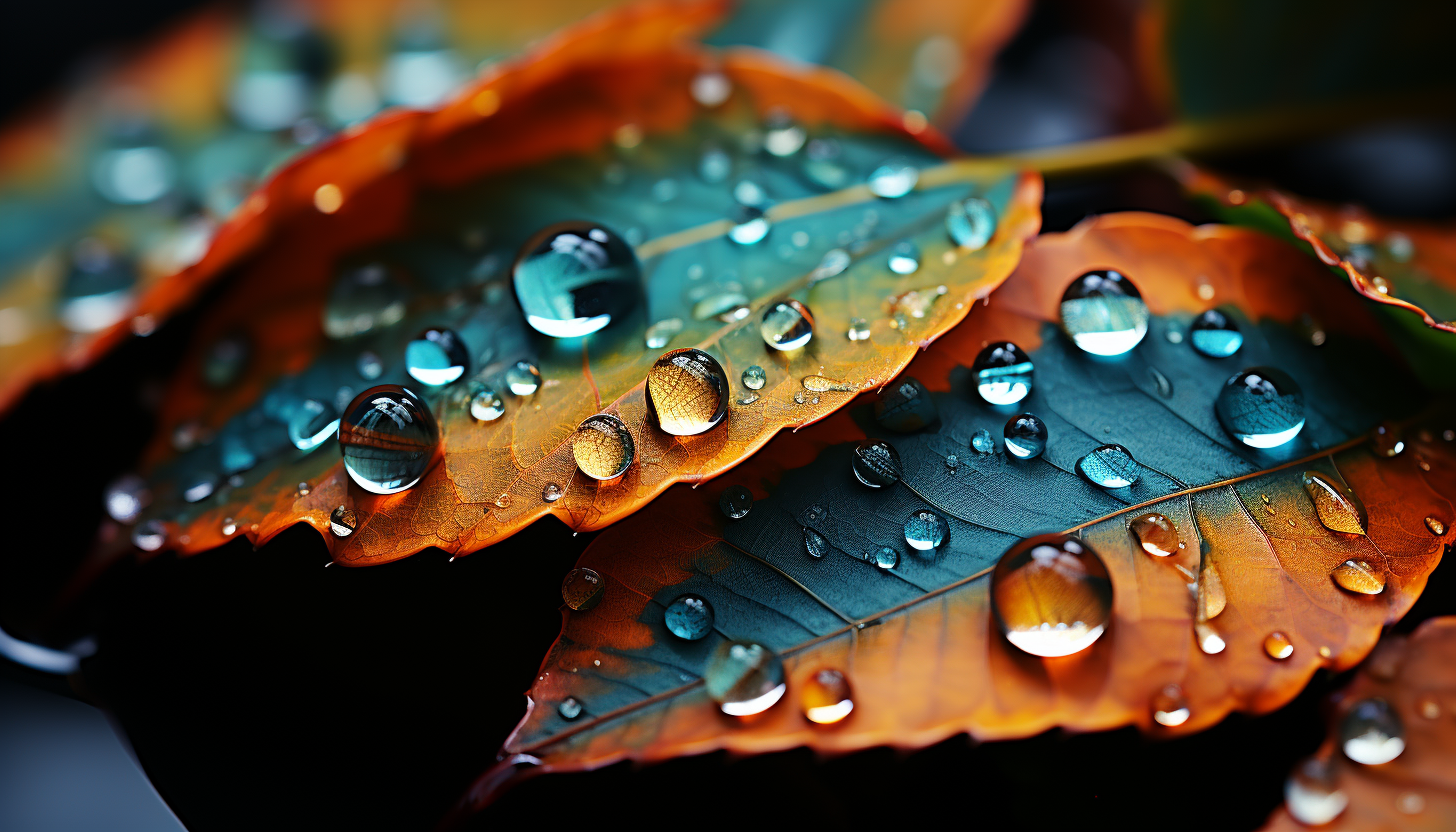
x=626 y=139
x=917 y=640
x=1415 y=678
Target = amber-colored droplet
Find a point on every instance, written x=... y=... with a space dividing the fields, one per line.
x=1051 y=595
x=1360 y=577
x=1324 y=652
x=328 y=198
x=1211 y=596
x=1170 y=707
x=603 y=447
x=688 y=391
x=1436 y=526
x=1278 y=646
x=826 y=697
x=1156 y=533
x=582 y=588
x=1428 y=707
x=1335 y=507
x=1209 y=641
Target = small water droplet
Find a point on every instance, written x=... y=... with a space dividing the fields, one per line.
x=369 y=366
x=834 y=262
x=551 y=492
x=1436 y=526
x=754 y=377
x=787 y=325
x=782 y=137
x=364 y=299
x=798 y=398
x=573 y=278
x=1165 y=387
x=904 y=257
x=982 y=443
x=1003 y=373
x=951 y=462
x=1026 y=436
x=748 y=398
x=523 y=378
x=1110 y=466
x=925 y=530
x=750 y=226
x=1174 y=335
x=150 y=535
x=1278 y=646
x=735 y=501
x=905 y=406
x=1051 y=595
x=1262 y=407
x=1170 y=707
x=876 y=463
x=569 y=708
x=311 y=424
x=687 y=390
x=582 y=588
x=689 y=617
x=343 y=521
x=603 y=447
x=1156 y=533
x=814 y=543
x=826 y=697
x=1215 y=335
x=229 y=527
x=1360 y=577
x=388 y=439
x=127 y=495
x=886 y=558
x=200 y=487
x=1428 y=707
x=859 y=329
x=659 y=334
x=1386 y=440
x=1312 y=794
x=1372 y=733
x=1336 y=508
x=303 y=489
x=821 y=384
x=1410 y=803
x=436 y=357
x=744 y=678
x=894 y=179
x=971 y=222
x=1209 y=641
x=503 y=501
x=1104 y=313
x=486 y=405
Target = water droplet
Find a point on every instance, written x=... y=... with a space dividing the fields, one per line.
x=1026 y=436
x=1170 y=707
x=363 y=299
x=311 y=424
x=1155 y=533
x=1312 y=794
x=735 y=501
x=744 y=678
x=859 y=329
x=894 y=179
x=1372 y=733
x=925 y=530
x=486 y=405
x=876 y=463
x=436 y=357
x=886 y=558
x=369 y=365
x=582 y=588
x=814 y=543
x=1262 y=407
x=905 y=406
x=787 y=325
x=149 y=536
x=1278 y=646
x=951 y=462
x=823 y=384
x=904 y=257
x=689 y=617
x=569 y=708
x=303 y=489
x=1051 y=595
x=1213 y=334
x=798 y=398
x=523 y=378
x=573 y=278
x=826 y=697
x=1386 y=440
x=343 y=521
x=1209 y=641
x=388 y=438
x=971 y=222
x=687 y=390
x=126 y=496
x=659 y=334
x=782 y=137
x=1410 y=803
x=1428 y=707
x=754 y=377
x=1003 y=373
x=224 y=361
x=1360 y=577
x=1104 y=313
x=982 y=442
x=1436 y=526
x=1336 y=508
x=200 y=487
x=1165 y=387
x=834 y=262
x=750 y=226
x=603 y=447
x=1110 y=466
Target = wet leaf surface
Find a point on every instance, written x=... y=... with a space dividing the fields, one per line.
x=1253 y=560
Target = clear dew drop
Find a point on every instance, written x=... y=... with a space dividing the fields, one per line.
x=971 y=223
x=1051 y=595
x=1261 y=407
x=364 y=299
x=826 y=697
x=149 y=536
x=689 y=617
x=369 y=365
x=569 y=708
x=551 y=492
x=486 y=405
x=714 y=166
x=744 y=678
x=1215 y=335
x=1335 y=507
x=786 y=325
x=343 y=521
x=574 y=278
x=1372 y=733
x=1104 y=313
x=1209 y=641
x=388 y=438
x=229 y=527
x=904 y=257
x=905 y=406
x=925 y=530
x=687 y=390
x=1170 y=707
x=1156 y=534
x=749 y=226
x=1278 y=646
x=603 y=447
x=436 y=357
x=951 y=462
x=886 y=558
x=1003 y=373
x=523 y=379
x=1437 y=527
x=125 y=498
x=876 y=463
x=735 y=501
x=894 y=179
x=724 y=306
x=661 y=333
x=824 y=384
x=754 y=377
x=1110 y=466
x=833 y=263
x=1025 y=435
x=1312 y=794
x=1359 y=577
x=781 y=136
x=982 y=442
x=582 y=588
x=859 y=329
x=814 y=543
x=1161 y=382
x=311 y=424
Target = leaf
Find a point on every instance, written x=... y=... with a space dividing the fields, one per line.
x=918 y=642
x=583 y=129
x=1413 y=675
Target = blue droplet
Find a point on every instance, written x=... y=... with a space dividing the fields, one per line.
x=311 y=424
x=1262 y=407
x=1002 y=373
x=925 y=530
x=1110 y=466
x=98 y=290
x=574 y=278
x=982 y=443
x=1104 y=313
x=388 y=438
x=904 y=257
x=744 y=678
x=887 y=558
x=894 y=179
x=971 y=223
x=749 y=226
x=1026 y=436
x=436 y=357
x=569 y=708
x=1214 y=335
x=689 y=617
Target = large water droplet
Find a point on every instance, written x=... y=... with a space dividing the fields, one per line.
x=826 y=697
x=582 y=588
x=876 y=463
x=1213 y=334
x=388 y=438
x=1336 y=508
x=569 y=708
x=1110 y=466
x=363 y=299
x=343 y=521
x=1278 y=646
x=1155 y=533
x=787 y=325
x=1262 y=407
x=971 y=222
x=736 y=501
x=905 y=406
x=1026 y=436
x=1002 y=372
x=126 y=496
x=1372 y=733
x=523 y=378
x=688 y=392
x=1104 y=313
x=1312 y=794
x=659 y=334
x=925 y=530
x=486 y=405
x=689 y=617
x=311 y=424
x=754 y=377
x=1360 y=577
x=1170 y=707
x=436 y=357
x=744 y=678
x=894 y=179
x=904 y=257
x=573 y=278
x=982 y=442
x=1051 y=595
x=603 y=447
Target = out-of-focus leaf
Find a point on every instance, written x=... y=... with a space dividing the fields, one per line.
x=585 y=128
x=918 y=641
x=1415 y=677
